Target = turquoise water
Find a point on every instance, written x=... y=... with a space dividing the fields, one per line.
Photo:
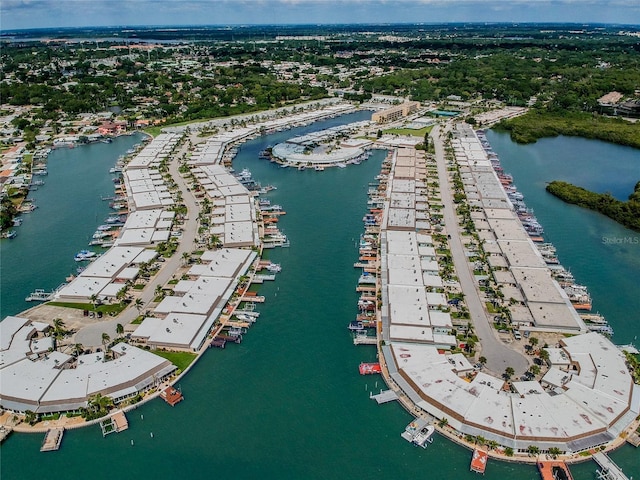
x=287 y=403
x=69 y=210
x=600 y=253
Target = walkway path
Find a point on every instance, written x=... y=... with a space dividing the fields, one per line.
x=498 y=355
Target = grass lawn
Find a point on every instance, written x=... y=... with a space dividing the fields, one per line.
x=115 y=308
x=409 y=131
x=180 y=359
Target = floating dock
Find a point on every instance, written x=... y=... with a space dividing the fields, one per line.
x=479 y=461
x=384 y=397
x=364 y=340
x=52 y=439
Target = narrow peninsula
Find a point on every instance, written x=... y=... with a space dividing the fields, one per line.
x=625 y=213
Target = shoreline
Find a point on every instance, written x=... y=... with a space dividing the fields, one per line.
x=221 y=321
x=411 y=407
x=444 y=432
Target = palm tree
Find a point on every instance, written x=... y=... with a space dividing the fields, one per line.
x=105 y=338
x=483 y=360
x=58 y=327
x=94 y=300
x=532 y=450
x=554 y=452
x=533 y=341
x=78 y=348
x=544 y=355
x=30 y=417
x=119 y=329
x=99 y=403
x=186 y=256
x=159 y=292
x=508 y=372
x=139 y=304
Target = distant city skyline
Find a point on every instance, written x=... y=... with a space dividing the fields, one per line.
x=26 y=14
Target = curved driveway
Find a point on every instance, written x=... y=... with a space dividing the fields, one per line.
x=499 y=356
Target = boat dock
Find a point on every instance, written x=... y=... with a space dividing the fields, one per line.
x=634 y=439
x=171 y=396
x=255 y=298
x=554 y=470
x=384 y=397
x=116 y=422
x=262 y=278
x=608 y=470
x=365 y=340
x=4 y=433
x=52 y=439
x=39 y=295
x=479 y=461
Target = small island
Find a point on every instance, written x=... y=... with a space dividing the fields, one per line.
x=625 y=213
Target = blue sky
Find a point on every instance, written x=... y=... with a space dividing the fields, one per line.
x=15 y=14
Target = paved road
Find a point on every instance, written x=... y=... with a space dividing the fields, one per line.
x=91 y=335
x=499 y=356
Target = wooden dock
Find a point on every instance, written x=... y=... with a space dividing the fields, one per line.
x=116 y=422
x=554 y=470
x=52 y=439
x=256 y=299
x=4 y=433
x=365 y=340
x=634 y=439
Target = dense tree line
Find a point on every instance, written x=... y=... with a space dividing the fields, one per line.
x=538 y=124
x=626 y=213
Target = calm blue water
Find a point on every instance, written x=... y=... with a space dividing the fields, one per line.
x=288 y=402
x=69 y=210
x=600 y=253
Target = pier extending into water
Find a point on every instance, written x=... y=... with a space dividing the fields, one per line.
x=52 y=439
x=608 y=470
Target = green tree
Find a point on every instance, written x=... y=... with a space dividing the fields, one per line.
x=119 y=329
x=77 y=349
x=554 y=452
x=508 y=373
x=58 y=328
x=139 y=304
x=544 y=355
x=31 y=417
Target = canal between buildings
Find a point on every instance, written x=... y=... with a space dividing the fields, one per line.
x=288 y=402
